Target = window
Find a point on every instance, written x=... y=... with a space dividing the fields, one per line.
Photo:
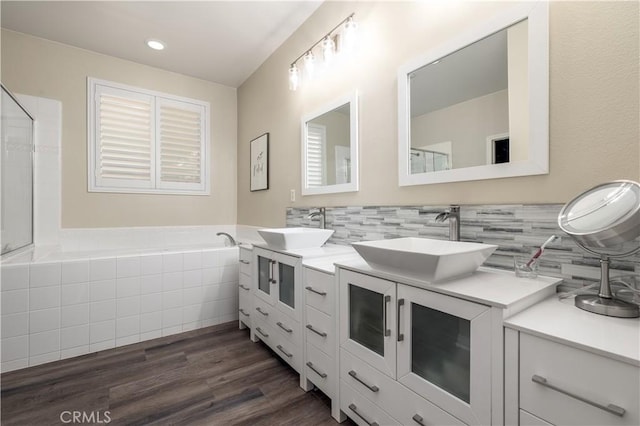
x=316 y=143
x=142 y=141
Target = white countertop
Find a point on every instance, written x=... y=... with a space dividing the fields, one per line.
x=328 y=264
x=493 y=287
x=325 y=250
x=561 y=321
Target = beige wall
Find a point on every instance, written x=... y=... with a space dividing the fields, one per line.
x=46 y=69
x=594 y=112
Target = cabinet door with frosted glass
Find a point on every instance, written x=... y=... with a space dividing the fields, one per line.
x=264 y=275
x=367 y=319
x=288 y=275
x=444 y=352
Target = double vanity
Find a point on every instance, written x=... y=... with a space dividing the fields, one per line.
x=477 y=347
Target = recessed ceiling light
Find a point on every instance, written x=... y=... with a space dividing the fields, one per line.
x=155 y=44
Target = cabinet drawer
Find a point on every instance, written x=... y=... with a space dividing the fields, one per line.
x=321 y=370
x=361 y=410
x=528 y=419
x=245 y=261
x=376 y=386
x=262 y=313
x=245 y=308
x=265 y=333
x=319 y=290
x=244 y=284
x=287 y=327
x=288 y=351
x=320 y=331
x=559 y=383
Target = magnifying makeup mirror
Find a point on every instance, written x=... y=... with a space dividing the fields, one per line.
x=600 y=220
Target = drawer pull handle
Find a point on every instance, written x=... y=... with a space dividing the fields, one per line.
x=353 y=408
x=313 y=290
x=399 y=320
x=319 y=373
x=281 y=349
x=244 y=288
x=243 y=312
x=266 y=314
x=319 y=333
x=610 y=408
x=288 y=330
x=418 y=419
x=259 y=330
x=246 y=262
x=372 y=388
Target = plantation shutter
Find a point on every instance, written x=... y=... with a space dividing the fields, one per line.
x=316 y=142
x=146 y=142
x=124 y=138
x=181 y=145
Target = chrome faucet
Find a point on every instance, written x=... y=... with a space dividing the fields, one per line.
x=231 y=239
x=321 y=213
x=453 y=214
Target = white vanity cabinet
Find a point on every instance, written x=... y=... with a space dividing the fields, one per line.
x=424 y=353
x=277 y=298
x=245 y=295
x=571 y=367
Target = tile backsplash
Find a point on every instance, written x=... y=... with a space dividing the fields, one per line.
x=515 y=228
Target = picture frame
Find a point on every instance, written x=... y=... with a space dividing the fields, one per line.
x=259 y=163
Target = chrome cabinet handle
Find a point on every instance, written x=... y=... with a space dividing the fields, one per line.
x=281 y=349
x=319 y=373
x=319 y=333
x=259 y=330
x=610 y=408
x=271 y=279
x=400 y=335
x=244 y=288
x=353 y=408
x=246 y=262
x=313 y=290
x=372 y=388
x=387 y=331
x=266 y=314
x=288 y=330
x=243 y=312
x=418 y=419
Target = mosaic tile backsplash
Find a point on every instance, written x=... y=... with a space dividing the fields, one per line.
x=516 y=229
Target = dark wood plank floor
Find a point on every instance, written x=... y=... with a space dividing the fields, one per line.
x=211 y=376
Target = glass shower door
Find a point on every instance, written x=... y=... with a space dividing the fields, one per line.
x=16 y=217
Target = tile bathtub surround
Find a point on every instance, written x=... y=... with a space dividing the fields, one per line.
x=56 y=310
x=516 y=229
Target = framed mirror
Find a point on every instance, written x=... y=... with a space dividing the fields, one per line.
x=330 y=148
x=477 y=106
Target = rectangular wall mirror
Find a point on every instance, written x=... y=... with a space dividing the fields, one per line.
x=477 y=106
x=330 y=148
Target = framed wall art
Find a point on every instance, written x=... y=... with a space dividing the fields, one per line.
x=260 y=163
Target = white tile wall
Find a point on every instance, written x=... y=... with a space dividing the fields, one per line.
x=57 y=310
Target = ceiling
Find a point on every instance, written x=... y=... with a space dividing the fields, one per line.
x=219 y=41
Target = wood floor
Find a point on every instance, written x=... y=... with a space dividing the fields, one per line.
x=211 y=376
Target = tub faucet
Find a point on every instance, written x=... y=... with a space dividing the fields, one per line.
x=321 y=213
x=453 y=214
x=231 y=239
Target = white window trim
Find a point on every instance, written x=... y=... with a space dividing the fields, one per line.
x=94 y=184
x=322 y=131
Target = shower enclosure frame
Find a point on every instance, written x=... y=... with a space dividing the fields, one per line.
x=31 y=244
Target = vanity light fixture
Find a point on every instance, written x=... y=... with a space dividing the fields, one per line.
x=340 y=38
x=155 y=44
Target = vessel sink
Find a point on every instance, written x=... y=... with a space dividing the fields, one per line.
x=294 y=238
x=423 y=258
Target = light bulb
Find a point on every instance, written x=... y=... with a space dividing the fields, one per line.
x=328 y=49
x=294 y=77
x=349 y=34
x=309 y=64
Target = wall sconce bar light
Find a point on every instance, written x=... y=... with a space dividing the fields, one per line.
x=331 y=44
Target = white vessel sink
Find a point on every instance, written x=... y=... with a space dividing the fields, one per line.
x=294 y=238
x=423 y=258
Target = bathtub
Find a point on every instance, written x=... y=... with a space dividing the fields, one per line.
x=88 y=294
